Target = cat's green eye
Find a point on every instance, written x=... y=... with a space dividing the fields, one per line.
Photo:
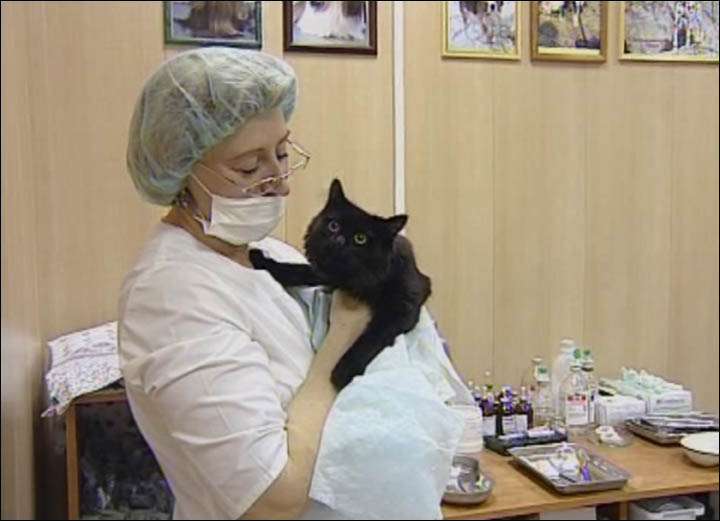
x=360 y=238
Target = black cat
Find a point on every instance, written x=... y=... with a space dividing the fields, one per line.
x=362 y=254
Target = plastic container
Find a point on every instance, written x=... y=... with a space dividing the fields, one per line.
x=471 y=441
x=560 y=370
x=675 y=507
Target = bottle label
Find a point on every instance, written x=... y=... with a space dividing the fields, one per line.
x=576 y=409
x=508 y=424
x=489 y=425
x=521 y=422
x=540 y=376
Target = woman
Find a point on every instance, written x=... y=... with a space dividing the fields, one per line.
x=216 y=356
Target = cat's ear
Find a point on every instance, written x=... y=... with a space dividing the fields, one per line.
x=336 y=191
x=396 y=223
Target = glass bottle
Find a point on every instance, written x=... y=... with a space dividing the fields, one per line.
x=523 y=412
x=489 y=415
x=506 y=417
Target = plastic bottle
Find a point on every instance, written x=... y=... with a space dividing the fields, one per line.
x=560 y=370
x=588 y=369
x=542 y=401
x=574 y=400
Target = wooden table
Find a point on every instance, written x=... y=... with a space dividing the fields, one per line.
x=656 y=471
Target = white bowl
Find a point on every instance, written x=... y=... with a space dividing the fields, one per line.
x=702 y=448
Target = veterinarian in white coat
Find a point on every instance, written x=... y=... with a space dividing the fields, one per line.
x=218 y=366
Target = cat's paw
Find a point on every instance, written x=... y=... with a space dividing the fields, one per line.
x=258 y=259
x=341 y=376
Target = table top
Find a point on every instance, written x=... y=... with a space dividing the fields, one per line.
x=656 y=471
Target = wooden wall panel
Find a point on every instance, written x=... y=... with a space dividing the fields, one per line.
x=21 y=354
x=545 y=199
x=449 y=185
x=539 y=213
x=72 y=222
x=694 y=264
x=599 y=182
x=91 y=222
x=628 y=217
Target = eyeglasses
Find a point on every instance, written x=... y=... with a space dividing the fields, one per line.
x=299 y=159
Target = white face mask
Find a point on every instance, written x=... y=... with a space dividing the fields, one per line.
x=240 y=221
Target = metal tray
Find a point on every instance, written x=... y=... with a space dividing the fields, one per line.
x=606 y=475
x=659 y=437
x=466 y=492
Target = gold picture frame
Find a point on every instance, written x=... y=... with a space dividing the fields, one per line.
x=478 y=25
x=664 y=55
x=596 y=50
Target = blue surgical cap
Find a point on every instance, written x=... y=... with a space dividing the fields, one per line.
x=191 y=103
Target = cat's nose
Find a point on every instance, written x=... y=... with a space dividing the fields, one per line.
x=339 y=240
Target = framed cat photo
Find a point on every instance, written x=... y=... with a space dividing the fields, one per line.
x=236 y=24
x=481 y=30
x=330 y=27
x=569 y=31
x=669 y=31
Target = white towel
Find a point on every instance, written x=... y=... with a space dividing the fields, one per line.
x=389 y=439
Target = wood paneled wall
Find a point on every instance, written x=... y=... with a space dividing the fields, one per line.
x=560 y=199
x=545 y=199
x=71 y=220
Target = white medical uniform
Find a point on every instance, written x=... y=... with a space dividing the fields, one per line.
x=212 y=353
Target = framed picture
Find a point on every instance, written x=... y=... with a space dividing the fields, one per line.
x=237 y=24
x=481 y=30
x=669 y=31
x=570 y=31
x=332 y=27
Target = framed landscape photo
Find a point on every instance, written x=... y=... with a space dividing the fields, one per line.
x=569 y=31
x=669 y=31
x=237 y=24
x=330 y=27
x=481 y=30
